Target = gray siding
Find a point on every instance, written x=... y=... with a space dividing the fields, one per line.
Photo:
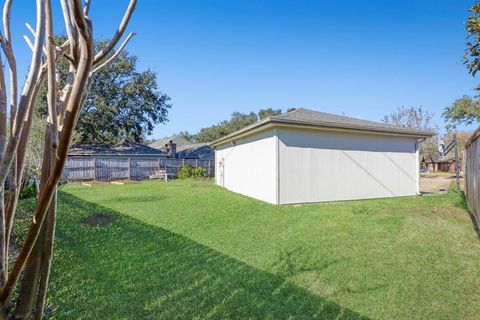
x=317 y=166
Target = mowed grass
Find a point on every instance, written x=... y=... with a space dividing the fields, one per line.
x=191 y=250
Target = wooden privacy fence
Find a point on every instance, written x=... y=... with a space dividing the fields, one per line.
x=472 y=173
x=122 y=168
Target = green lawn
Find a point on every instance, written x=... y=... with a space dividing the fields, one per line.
x=190 y=250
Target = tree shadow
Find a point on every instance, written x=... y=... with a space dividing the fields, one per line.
x=463 y=204
x=132 y=270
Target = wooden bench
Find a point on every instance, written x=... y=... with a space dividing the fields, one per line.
x=160 y=174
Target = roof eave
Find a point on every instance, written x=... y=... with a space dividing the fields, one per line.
x=273 y=122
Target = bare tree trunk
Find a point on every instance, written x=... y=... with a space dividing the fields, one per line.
x=32 y=265
x=30 y=281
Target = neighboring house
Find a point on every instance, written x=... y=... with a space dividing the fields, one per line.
x=309 y=156
x=184 y=149
x=201 y=151
x=132 y=150
x=441 y=164
x=162 y=144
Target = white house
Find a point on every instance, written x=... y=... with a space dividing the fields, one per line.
x=309 y=156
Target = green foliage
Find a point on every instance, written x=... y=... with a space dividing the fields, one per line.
x=466 y=110
x=185 y=172
x=124 y=104
x=187 y=136
x=180 y=251
x=28 y=189
x=237 y=121
x=35 y=146
x=188 y=172
x=264 y=113
x=472 y=55
x=463 y=111
x=200 y=172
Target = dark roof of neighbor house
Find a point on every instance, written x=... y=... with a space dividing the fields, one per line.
x=197 y=150
x=123 y=149
x=160 y=144
x=315 y=119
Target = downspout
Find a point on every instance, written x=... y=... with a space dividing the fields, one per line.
x=277 y=168
x=417 y=165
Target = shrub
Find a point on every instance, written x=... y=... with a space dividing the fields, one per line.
x=188 y=172
x=200 y=172
x=28 y=189
x=185 y=172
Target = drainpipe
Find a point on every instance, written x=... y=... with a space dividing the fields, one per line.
x=417 y=160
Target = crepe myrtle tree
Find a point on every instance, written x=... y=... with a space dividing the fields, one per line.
x=27 y=274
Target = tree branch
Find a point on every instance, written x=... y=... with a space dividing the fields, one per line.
x=73 y=107
x=26 y=94
x=118 y=34
x=69 y=26
x=52 y=87
x=115 y=54
x=86 y=7
x=28 y=41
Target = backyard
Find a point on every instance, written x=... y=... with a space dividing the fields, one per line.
x=191 y=250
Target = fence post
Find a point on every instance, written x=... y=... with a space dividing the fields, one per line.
x=94 y=168
x=129 y=169
x=209 y=171
x=457 y=171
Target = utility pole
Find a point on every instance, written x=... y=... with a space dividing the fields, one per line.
x=454 y=145
x=457 y=165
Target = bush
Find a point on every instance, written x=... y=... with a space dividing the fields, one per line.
x=185 y=172
x=28 y=189
x=200 y=172
x=188 y=172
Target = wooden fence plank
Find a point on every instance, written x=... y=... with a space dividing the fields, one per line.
x=121 y=168
x=472 y=174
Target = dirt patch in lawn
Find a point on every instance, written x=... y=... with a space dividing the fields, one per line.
x=124 y=182
x=435 y=184
x=99 y=220
x=440 y=212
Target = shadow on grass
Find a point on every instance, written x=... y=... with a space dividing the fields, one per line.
x=132 y=270
x=463 y=204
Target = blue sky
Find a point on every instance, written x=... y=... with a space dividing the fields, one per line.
x=360 y=58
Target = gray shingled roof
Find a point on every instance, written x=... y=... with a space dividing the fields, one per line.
x=322 y=118
x=313 y=118
x=160 y=144
x=122 y=149
x=196 y=150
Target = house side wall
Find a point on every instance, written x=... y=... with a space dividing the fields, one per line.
x=317 y=166
x=249 y=166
